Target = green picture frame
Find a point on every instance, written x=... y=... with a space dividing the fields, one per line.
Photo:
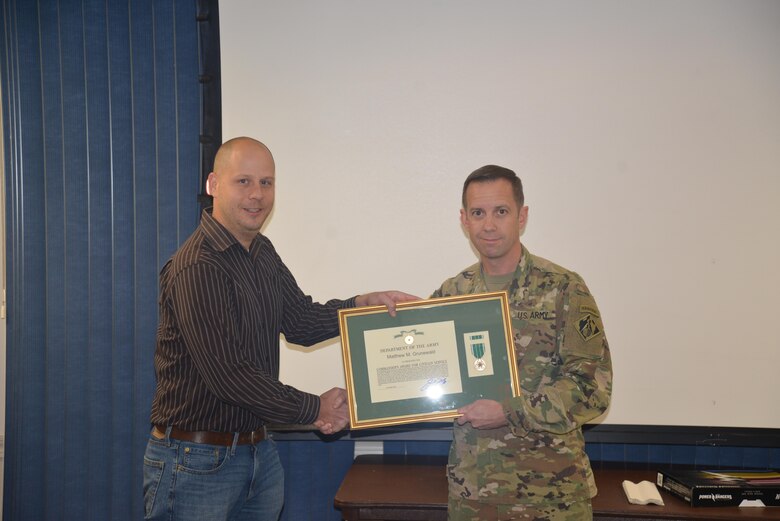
x=433 y=357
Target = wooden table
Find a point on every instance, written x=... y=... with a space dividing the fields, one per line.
x=414 y=488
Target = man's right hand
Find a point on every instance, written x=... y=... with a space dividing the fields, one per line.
x=333 y=411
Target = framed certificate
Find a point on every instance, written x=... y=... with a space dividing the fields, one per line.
x=430 y=359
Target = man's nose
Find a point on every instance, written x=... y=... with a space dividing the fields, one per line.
x=256 y=191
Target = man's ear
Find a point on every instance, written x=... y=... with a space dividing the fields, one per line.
x=523 y=218
x=211 y=182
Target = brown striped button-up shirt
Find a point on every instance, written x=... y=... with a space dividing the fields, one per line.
x=222 y=309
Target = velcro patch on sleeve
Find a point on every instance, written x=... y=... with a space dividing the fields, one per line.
x=588 y=324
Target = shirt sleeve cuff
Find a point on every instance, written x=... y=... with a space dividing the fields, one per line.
x=516 y=419
x=310 y=408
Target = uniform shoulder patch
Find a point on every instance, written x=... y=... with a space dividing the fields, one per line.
x=587 y=324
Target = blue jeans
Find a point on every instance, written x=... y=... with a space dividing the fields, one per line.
x=186 y=481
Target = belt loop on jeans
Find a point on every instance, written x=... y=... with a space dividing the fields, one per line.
x=168 y=435
x=233 y=445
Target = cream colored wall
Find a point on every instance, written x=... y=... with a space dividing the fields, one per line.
x=647 y=135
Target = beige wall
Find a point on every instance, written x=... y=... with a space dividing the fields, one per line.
x=647 y=135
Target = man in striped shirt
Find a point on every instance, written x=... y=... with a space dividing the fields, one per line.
x=225 y=297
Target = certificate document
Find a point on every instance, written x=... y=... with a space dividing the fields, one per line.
x=409 y=362
x=430 y=359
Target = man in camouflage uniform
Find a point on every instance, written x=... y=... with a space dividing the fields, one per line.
x=524 y=457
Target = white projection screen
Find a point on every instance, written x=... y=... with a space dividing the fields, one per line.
x=647 y=135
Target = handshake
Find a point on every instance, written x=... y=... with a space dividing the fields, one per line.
x=334 y=415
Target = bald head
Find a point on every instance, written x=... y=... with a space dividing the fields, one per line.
x=242 y=186
x=226 y=154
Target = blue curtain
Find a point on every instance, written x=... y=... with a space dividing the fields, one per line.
x=101 y=122
x=313 y=471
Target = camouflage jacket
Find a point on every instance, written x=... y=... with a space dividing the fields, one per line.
x=565 y=374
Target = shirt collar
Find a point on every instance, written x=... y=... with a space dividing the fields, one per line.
x=521 y=272
x=525 y=264
x=219 y=236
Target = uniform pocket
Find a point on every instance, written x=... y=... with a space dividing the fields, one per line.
x=535 y=338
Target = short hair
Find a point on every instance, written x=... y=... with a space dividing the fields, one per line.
x=491 y=173
x=225 y=151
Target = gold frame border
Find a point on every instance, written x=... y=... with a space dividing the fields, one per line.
x=344 y=314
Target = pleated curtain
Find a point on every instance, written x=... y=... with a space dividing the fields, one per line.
x=101 y=122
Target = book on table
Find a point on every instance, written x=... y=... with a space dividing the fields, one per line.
x=722 y=487
x=642 y=493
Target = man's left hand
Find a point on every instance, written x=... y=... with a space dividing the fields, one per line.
x=385 y=298
x=483 y=414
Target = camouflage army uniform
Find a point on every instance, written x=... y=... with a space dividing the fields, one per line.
x=537 y=462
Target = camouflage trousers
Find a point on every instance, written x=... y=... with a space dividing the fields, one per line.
x=463 y=510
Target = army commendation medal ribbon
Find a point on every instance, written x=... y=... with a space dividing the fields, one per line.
x=478 y=350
